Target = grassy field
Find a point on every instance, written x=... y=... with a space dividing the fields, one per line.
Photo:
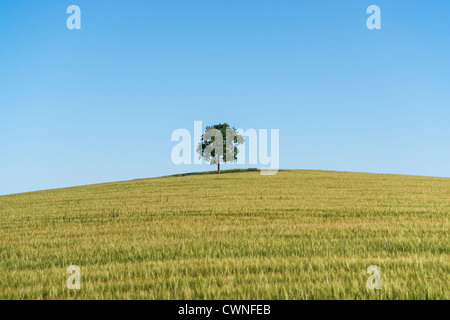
x=296 y=235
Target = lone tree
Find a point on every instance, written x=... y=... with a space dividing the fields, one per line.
x=219 y=144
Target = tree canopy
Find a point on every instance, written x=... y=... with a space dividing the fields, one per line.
x=219 y=144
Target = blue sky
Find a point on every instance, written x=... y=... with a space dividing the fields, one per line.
x=99 y=104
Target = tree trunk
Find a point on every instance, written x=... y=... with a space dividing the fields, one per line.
x=218 y=168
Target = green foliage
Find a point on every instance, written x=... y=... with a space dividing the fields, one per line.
x=219 y=144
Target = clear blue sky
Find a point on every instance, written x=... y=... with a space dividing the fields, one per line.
x=99 y=104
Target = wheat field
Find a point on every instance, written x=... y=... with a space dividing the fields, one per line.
x=299 y=234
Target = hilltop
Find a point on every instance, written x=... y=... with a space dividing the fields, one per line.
x=296 y=235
